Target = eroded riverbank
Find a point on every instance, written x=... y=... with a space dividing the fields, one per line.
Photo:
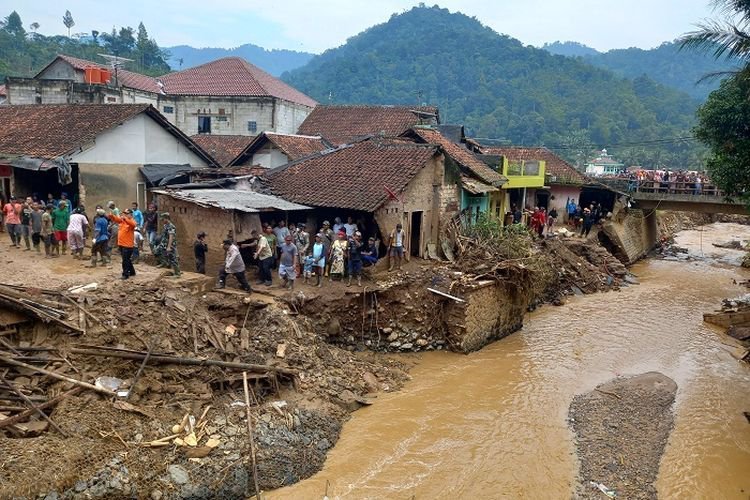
x=493 y=423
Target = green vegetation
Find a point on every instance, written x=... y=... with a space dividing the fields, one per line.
x=666 y=64
x=724 y=120
x=503 y=90
x=24 y=53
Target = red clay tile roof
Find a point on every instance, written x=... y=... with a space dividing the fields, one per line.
x=231 y=76
x=355 y=177
x=223 y=148
x=460 y=155
x=293 y=146
x=77 y=63
x=54 y=130
x=343 y=124
x=137 y=81
x=3 y=90
x=554 y=165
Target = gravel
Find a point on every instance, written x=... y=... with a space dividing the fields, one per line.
x=621 y=429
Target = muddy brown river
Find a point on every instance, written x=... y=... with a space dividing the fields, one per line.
x=493 y=424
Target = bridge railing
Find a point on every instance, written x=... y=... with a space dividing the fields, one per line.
x=685 y=188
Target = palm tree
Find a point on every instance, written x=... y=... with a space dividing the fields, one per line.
x=727 y=37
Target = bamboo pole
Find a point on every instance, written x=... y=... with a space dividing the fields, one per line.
x=250 y=435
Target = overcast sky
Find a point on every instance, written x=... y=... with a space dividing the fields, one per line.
x=317 y=25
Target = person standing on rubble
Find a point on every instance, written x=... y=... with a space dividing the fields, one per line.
x=76 y=231
x=319 y=253
x=126 y=241
x=169 y=241
x=396 y=246
x=101 y=238
x=36 y=226
x=151 y=225
x=234 y=265
x=60 y=221
x=264 y=256
x=588 y=221
x=200 y=248
x=287 y=262
x=355 y=250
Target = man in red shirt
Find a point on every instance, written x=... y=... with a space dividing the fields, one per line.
x=126 y=241
x=12 y=211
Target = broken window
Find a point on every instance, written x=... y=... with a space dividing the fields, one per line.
x=252 y=127
x=204 y=124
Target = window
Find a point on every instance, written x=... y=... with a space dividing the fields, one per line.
x=221 y=118
x=252 y=126
x=168 y=109
x=112 y=99
x=204 y=124
x=531 y=168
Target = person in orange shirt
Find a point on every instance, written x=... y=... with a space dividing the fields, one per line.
x=125 y=240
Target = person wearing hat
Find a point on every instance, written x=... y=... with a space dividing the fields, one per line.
x=168 y=245
x=396 y=246
x=200 y=248
x=234 y=265
x=125 y=241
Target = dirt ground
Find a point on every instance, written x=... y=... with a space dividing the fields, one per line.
x=621 y=429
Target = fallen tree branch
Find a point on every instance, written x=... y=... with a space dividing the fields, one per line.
x=49 y=404
x=177 y=360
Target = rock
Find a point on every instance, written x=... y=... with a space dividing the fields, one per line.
x=52 y=495
x=178 y=474
x=156 y=494
x=393 y=336
x=387 y=331
x=632 y=280
x=422 y=342
x=371 y=382
x=395 y=344
x=407 y=346
x=323 y=444
x=80 y=486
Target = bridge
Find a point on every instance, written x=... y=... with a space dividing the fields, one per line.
x=672 y=195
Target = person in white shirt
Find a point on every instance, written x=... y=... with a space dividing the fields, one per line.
x=350 y=227
x=396 y=246
x=234 y=265
x=76 y=227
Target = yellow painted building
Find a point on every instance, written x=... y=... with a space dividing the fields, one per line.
x=521 y=175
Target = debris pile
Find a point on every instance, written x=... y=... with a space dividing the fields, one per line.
x=133 y=390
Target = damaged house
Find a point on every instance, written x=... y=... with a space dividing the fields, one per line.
x=94 y=153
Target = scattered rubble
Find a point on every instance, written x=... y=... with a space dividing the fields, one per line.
x=621 y=429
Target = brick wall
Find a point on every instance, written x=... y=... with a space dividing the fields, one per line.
x=190 y=219
x=632 y=235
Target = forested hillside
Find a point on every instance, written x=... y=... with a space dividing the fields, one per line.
x=24 y=53
x=273 y=61
x=666 y=64
x=502 y=89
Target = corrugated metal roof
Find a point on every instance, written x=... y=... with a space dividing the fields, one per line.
x=233 y=199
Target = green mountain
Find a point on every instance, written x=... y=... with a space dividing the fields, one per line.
x=502 y=89
x=570 y=49
x=665 y=64
x=273 y=61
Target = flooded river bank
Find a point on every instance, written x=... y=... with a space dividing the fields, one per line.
x=492 y=424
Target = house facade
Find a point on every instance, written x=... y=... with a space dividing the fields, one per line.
x=93 y=153
x=604 y=164
x=225 y=97
x=271 y=150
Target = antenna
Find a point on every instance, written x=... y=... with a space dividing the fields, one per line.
x=115 y=62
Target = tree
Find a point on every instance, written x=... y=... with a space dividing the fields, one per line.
x=14 y=26
x=726 y=37
x=724 y=126
x=34 y=26
x=68 y=21
x=95 y=36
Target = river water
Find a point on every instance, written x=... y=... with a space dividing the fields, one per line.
x=492 y=424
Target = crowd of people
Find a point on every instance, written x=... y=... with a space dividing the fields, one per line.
x=58 y=227
x=338 y=252
x=541 y=222
x=667 y=181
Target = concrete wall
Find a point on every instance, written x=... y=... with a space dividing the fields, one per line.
x=630 y=235
x=561 y=194
x=101 y=182
x=61 y=70
x=492 y=311
x=138 y=141
x=269 y=156
x=26 y=90
x=190 y=219
x=230 y=115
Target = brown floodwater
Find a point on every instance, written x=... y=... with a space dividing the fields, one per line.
x=493 y=424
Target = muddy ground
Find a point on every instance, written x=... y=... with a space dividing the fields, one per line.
x=313 y=352
x=621 y=431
